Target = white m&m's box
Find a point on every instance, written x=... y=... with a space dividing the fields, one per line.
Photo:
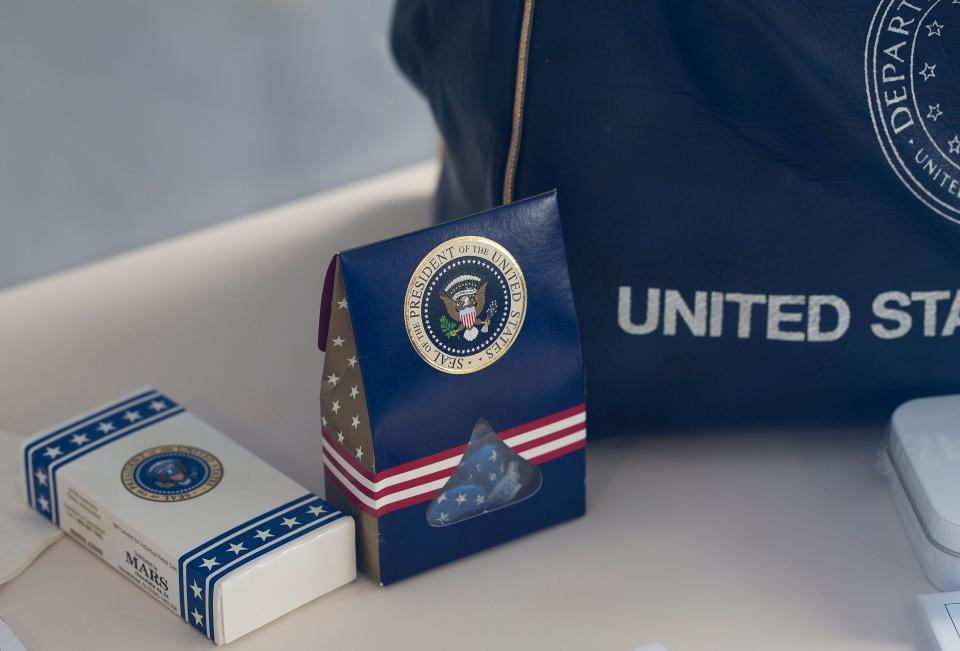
x=216 y=535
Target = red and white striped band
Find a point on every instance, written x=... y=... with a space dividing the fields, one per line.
x=418 y=481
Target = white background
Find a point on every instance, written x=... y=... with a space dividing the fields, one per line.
x=123 y=123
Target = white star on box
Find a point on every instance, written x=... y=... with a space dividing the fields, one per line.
x=354 y=392
x=158 y=405
x=263 y=535
x=236 y=548
x=132 y=416
x=197 y=591
x=209 y=563
x=359 y=453
x=935 y=112
x=79 y=439
x=340 y=436
x=335 y=407
x=289 y=523
x=197 y=617
x=352 y=361
x=323 y=420
x=41 y=477
x=442 y=498
x=928 y=72
x=315 y=511
x=461 y=498
x=355 y=422
x=480 y=499
x=342 y=304
x=338 y=342
x=492 y=476
x=955 y=145
x=333 y=379
x=52 y=452
x=44 y=504
x=106 y=427
x=934 y=29
x=443 y=517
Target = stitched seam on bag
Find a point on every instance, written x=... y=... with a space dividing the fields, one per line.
x=518 y=96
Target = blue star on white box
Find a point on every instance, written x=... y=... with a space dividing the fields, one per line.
x=202 y=525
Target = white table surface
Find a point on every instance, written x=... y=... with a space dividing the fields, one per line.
x=730 y=540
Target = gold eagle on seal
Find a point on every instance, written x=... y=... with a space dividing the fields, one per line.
x=464 y=307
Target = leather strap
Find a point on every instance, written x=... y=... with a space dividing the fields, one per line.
x=518 y=95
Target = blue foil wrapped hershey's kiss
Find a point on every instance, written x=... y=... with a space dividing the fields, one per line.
x=490 y=476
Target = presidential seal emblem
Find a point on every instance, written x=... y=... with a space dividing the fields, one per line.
x=913 y=76
x=171 y=473
x=465 y=304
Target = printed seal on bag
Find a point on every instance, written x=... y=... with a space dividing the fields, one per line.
x=913 y=73
x=465 y=304
x=171 y=473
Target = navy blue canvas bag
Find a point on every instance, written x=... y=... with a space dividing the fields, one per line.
x=761 y=200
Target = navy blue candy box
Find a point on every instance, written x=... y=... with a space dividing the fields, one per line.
x=453 y=390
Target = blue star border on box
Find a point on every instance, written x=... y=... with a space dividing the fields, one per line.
x=201 y=568
x=47 y=454
x=206 y=564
